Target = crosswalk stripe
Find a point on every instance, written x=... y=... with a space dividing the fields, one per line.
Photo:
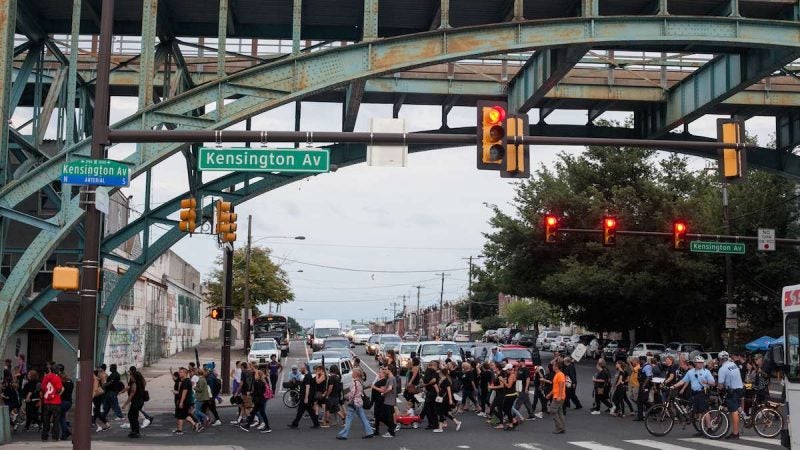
x=659 y=445
x=591 y=445
x=727 y=444
x=527 y=446
x=761 y=440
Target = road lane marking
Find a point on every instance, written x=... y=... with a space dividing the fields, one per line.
x=591 y=445
x=658 y=444
x=527 y=446
x=720 y=444
x=761 y=440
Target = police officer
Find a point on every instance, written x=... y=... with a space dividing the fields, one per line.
x=699 y=379
x=730 y=379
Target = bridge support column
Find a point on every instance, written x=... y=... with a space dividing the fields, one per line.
x=370 y=30
x=147 y=58
x=590 y=8
x=662 y=8
x=297 y=18
x=519 y=9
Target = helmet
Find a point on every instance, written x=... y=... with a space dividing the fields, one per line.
x=723 y=355
x=699 y=359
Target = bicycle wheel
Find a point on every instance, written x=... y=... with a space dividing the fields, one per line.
x=714 y=424
x=291 y=398
x=768 y=422
x=658 y=420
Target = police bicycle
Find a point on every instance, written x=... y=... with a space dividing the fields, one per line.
x=661 y=418
x=765 y=417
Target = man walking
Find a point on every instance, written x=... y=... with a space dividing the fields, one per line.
x=572 y=384
x=113 y=387
x=558 y=395
x=306 y=404
x=51 y=392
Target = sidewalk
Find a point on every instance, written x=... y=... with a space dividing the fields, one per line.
x=102 y=445
x=159 y=376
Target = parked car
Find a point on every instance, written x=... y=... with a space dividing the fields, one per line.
x=643 y=348
x=576 y=339
x=545 y=338
x=372 y=344
x=708 y=356
x=404 y=356
x=503 y=335
x=559 y=344
x=610 y=349
x=518 y=354
x=386 y=342
x=461 y=336
x=682 y=349
x=490 y=336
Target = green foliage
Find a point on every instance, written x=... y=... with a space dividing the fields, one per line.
x=294 y=326
x=484 y=297
x=642 y=283
x=492 y=322
x=268 y=282
x=535 y=312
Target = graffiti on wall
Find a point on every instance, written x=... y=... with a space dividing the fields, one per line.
x=125 y=346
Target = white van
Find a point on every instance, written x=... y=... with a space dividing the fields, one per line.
x=324 y=328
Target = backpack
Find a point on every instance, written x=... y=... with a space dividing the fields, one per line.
x=215 y=384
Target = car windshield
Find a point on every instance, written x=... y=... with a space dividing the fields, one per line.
x=325 y=332
x=390 y=339
x=362 y=331
x=655 y=347
x=337 y=343
x=264 y=345
x=407 y=349
x=516 y=353
x=439 y=349
x=326 y=354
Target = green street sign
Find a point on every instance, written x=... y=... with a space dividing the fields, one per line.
x=305 y=160
x=95 y=172
x=733 y=248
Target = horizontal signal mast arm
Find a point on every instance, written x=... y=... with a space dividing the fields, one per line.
x=715 y=237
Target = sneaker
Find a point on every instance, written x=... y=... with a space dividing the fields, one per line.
x=266 y=430
x=125 y=425
x=388 y=435
x=595 y=413
x=120 y=419
x=539 y=415
x=261 y=427
x=439 y=430
x=146 y=423
x=613 y=409
x=235 y=422
x=732 y=436
x=199 y=428
x=341 y=438
x=105 y=428
x=531 y=418
x=458 y=425
x=217 y=423
x=178 y=432
x=397 y=428
x=244 y=427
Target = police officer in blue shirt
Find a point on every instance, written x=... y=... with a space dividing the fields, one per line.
x=699 y=380
x=730 y=379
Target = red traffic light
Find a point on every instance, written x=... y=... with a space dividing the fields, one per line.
x=611 y=222
x=609 y=231
x=679 y=232
x=551 y=220
x=680 y=227
x=550 y=229
x=496 y=114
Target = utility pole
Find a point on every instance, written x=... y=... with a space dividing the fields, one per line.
x=441 y=300
x=728 y=261
x=394 y=306
x=405 y=325
x=247 y=307
x=469 y=298
x=416 y=320
x=91 y=263
x=226 y=318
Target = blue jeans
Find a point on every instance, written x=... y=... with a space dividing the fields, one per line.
x=198 y=412
x=352 y=411
x=65 y=431
x=112 y=404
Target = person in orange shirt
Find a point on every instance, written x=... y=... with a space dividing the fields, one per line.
x=557 y=396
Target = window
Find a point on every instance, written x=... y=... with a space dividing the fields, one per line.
x=188 y=310
x=345 y=367
x=792 y=342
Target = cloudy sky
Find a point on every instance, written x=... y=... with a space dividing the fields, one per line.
x=377 y=231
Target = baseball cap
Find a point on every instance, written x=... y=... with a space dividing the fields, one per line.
x=508 y=367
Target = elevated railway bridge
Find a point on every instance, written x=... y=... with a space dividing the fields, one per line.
x=214 y=64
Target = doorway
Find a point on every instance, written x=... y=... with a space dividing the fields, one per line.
x=40 y=349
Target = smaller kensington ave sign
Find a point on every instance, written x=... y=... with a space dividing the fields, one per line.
x=308 y=160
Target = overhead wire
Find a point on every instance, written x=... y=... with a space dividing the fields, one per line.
x=350 y=269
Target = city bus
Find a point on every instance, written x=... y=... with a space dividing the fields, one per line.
x=787 y=357
x=275 y=327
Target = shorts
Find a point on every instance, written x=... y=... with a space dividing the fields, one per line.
x=247 y=401
x=182 y=413
x=700 y=402
x=333 y=405
x=733 y=399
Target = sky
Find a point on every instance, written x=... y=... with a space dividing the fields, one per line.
x=371 y=233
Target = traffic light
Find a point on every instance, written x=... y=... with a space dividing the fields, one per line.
x=550 y=229
x=733 y=160
x=217 y=313
x=491 y=134
x=679 y=231
x=226 y=221
x=609 y=231
x=516 y=157
x=188 y=221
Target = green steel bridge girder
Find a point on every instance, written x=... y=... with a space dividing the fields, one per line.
x=265 y=87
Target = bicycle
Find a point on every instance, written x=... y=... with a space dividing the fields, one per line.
x=660 y=418
x=291 y=398
x=765 y=418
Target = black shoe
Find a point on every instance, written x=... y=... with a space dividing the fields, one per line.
x=134 y=435
x=244 y=427
x=641 y=420
x=578 y=407
x=341 y=438
x=732 y=436
x=367 y=436
x=558 y=432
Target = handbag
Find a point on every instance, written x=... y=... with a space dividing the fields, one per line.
x=411 y=388
x=439 y=399
x=367 y=401
x=146 y=396
x=518 y=385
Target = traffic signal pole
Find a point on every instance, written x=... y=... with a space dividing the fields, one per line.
x=728 y=259
x=91 y=264
x=226 y=321
x=247 y=306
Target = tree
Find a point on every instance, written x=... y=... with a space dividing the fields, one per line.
x=531 y=312
x=484 y=297
x=294 y=326
x=268 y=282
x=492 y=323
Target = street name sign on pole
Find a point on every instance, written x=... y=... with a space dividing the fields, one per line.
x=731 y=248
x=95 y=172
x=283 y=160
x=766 y=239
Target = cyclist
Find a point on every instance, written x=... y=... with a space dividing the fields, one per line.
x=730 y=379
x=699 y=380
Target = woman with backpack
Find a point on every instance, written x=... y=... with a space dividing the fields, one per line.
x=260 y=392
x=602 y=384
x=215 y=386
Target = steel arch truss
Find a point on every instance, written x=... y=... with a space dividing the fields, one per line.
x=221 y=103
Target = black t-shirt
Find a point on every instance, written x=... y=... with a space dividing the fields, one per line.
x=486 y=378
x=247 y=382
x=467 y=378
x=430 y=375
x=336 y=382
x=602 y=378
x=377 y=397
x=259 y=387
x=524 y=374
x=69 y=386
x=33 y=388
x=186 y=385
x=308 y=381
x=443 y=390
x=321 y=385
x=114 y=382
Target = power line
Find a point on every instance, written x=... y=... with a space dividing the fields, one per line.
x=374 y=246
x=349 y=269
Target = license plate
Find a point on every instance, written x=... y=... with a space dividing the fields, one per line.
x=263 y=360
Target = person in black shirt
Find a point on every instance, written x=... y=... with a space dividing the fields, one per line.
x=334 y=395
x=259 y=404
x=602 y=384
x=538 y=390
x=113 y=387
x=30 y=393
x=66 y=401
x=306 y=404
x=469 y=386
x=486 y=375
x=431 y=383
x=184 y=398
x=524 y=399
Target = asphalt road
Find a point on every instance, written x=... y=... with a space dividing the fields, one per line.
x=584 y=430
